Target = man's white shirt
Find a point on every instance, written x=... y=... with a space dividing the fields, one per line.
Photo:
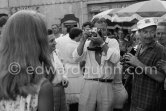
x=66 y=46
x=106 y=69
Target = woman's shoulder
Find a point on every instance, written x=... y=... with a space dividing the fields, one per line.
x=46 y=83
x=46 y=100
x=46 y=87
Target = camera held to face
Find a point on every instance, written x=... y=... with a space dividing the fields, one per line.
x=93 y=32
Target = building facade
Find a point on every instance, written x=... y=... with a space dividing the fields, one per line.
x=55 y=10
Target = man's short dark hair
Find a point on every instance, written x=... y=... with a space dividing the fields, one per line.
x=74 y=32
x=99 y=21
x=49 y=31
x=87 y=24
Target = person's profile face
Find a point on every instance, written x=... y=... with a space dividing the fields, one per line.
x=121 y=34
x=161 y=34
x=55 y=29
x=52 y=43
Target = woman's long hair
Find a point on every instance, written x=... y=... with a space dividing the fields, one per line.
x=24 y=43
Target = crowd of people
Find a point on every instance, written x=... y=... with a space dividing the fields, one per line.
x=45 y=69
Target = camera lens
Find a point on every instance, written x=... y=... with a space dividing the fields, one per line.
x=94 y=34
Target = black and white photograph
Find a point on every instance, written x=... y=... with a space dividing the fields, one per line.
x=82 y=55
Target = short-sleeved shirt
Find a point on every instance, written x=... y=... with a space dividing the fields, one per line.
x=146 y=92
x=105 y=70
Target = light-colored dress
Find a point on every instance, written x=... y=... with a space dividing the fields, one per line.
x=66 y=46
x=29 y=103
x=120 y=93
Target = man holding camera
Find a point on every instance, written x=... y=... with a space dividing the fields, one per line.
x=148 y=79
x=101 y=55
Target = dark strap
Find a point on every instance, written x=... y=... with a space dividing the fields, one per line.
x=58 y=84
x=98 y=55
x=101 y=80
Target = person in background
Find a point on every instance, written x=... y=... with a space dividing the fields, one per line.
x=161 y=37
x=24 y=44
x=133 y=31
x=71 y=67
x=60 y=80
x=94 y=21
x=87 y=26
x=64 y=30
x=115 y=34
x=123 y=44
x=128 y=35
x=147 y=83
x=127 y=77
x=161 y=33
x=111 y=35
x=55 y=30
x=61 y=41
x=136 y=40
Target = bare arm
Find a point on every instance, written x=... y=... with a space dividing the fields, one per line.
x=112 y=51
x=46 y=98
x=80 y=53
x=105 y=48
x=153 y=73
x=80 y=48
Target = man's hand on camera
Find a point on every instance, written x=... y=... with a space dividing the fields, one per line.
x=97 y=40
x=133 y=60
x=85 y=36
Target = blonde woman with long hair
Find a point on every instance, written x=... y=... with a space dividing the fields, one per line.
x=24 y=60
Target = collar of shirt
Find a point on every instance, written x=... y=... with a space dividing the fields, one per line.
x=151 y=45
x=107 y=40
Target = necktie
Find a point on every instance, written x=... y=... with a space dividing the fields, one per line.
x=98 y=55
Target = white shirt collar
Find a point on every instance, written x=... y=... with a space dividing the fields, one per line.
x=107 y=40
